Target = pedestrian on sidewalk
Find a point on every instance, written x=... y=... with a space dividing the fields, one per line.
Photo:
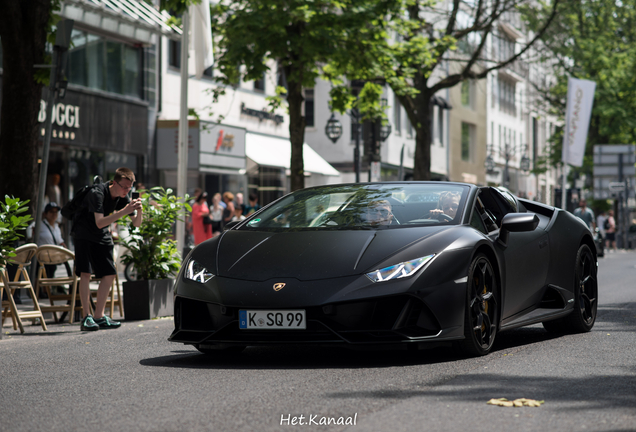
x=104 y=204
x=610 y=232
x=586 y=215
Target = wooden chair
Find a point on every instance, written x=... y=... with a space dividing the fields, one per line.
x=114 y=296
x=52 y=254
x=24 y=255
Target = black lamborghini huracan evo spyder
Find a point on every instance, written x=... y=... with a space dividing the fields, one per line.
x=388 y=263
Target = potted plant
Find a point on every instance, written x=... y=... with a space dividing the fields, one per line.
x=152 y=251
x=13 y=220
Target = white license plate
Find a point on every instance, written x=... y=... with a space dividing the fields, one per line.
x=272 y=319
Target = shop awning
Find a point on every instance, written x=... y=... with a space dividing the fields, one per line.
x=276 y=152
x=130 y=18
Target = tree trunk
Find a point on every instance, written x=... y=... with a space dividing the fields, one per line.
x=23 y=30
x=296 y=133
x=422 y=168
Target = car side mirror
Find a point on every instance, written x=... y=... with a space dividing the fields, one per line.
x=517 y=222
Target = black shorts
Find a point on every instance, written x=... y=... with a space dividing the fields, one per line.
x=610 y=236
x=94 y=258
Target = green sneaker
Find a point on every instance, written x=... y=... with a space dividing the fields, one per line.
x=107 y=323
x=89 y=324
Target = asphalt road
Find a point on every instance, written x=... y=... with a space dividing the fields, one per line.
x=132 y=379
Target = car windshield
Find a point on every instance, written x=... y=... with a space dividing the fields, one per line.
x=357 y=206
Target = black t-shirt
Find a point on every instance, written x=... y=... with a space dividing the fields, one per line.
x=98 y=200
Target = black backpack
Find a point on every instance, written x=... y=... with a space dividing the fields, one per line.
x=606 y=224
x=75 y=205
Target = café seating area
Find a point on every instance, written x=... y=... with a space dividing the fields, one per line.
x=54 y=295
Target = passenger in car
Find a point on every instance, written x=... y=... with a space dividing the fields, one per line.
x=447 y=208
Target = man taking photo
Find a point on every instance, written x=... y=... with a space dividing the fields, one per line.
x=104 y=204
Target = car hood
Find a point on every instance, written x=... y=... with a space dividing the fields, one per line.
x=309 y=255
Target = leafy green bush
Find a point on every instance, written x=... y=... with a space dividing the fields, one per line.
x=151 y=247
x=13 y=220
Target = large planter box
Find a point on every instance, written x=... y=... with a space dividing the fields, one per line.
x=148 y=299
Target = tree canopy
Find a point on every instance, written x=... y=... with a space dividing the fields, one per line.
x=424 y=35
x=595 y=41
x=299 y=37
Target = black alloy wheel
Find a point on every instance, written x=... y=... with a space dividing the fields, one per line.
x=481 y=317
x=583 y=315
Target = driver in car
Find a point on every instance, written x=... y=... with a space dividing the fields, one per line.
x=448 y=205
x=379 y=213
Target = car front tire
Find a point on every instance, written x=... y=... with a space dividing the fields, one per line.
x=481 y=315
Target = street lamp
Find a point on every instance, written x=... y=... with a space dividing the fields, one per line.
x=507 y=153
x=333 y=129
x=525 y=160
x=489 y=163
x=385 y=131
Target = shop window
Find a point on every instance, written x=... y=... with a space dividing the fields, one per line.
x=281 y=80
x=467 y=138
x=466 y=93
x=105 y=65
x=259 y=84
x=309 y=108
x=150 y=75
x=506 y=48
x=397 y=115
x=507 y=96
x=440 y=126
x=174 y=54
x=269 y=183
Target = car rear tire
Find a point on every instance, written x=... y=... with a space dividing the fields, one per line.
x=221 y=349
x=583 y=316
x=481 y=316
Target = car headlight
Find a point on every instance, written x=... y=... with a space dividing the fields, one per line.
x=196 y=272
x=402 y=270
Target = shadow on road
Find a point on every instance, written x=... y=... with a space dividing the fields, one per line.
x=313 y=357
x=620 y=317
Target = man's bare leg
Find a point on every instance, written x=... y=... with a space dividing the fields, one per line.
x=85 y=293
x=102 y=295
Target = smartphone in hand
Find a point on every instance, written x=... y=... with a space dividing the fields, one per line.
x=135 y=195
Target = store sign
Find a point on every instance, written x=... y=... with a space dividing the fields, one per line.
x=97 y=121
x=67 y=116
x=222 y=146
x=224 y=141
x=63 y=115
x=262 y=114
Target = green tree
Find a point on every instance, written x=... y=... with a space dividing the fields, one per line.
x=594 y=41
x=300 y=37
x=24 y=27
x=424 y=37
